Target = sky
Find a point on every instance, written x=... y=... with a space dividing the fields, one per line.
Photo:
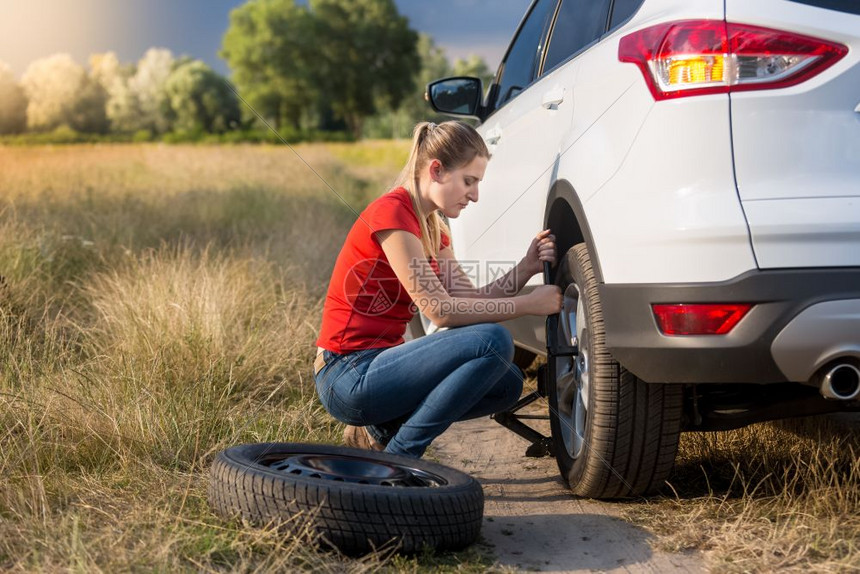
x=33 y=29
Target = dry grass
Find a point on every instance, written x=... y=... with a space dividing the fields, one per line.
x=770 y=497
x=158 y=305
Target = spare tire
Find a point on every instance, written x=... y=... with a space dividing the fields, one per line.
x=354 y=500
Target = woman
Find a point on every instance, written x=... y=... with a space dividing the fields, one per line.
x=397 y=396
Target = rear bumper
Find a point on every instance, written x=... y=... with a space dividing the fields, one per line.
x=787 y=321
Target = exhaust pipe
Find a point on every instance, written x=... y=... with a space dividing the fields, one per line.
x=841 y=382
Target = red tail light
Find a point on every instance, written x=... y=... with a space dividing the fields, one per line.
x=695 y=57
x=699 y=319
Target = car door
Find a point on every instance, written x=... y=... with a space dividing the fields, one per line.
x=492 y=235
x=527 y=134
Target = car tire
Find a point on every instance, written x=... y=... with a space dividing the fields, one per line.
x=354 y=500
x=614 y=435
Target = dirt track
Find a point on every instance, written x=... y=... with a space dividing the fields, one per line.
x=532 y=522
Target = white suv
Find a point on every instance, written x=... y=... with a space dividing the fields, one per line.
x=699 y=163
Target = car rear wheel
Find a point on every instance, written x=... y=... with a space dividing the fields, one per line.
x=614 y=435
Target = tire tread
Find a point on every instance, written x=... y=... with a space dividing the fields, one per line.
x=633 y=428
x=353 y=518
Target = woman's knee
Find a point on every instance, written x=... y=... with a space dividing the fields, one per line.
x=496 y=340
x=508 y=389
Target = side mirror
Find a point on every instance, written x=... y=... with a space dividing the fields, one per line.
x=455 y=96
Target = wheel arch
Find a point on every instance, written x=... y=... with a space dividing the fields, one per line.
x=565 y=216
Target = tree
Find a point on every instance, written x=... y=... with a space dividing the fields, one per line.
x=13 y=103
x=104 y=69
x=398 y=120
x=200 y=99
x=342 y=56
x=367 y=54
x=269 y=46
x=413 y=108
x=433 y=66
x=474 y=66
x=61 y=93
x=122 y=106
x=147 y=86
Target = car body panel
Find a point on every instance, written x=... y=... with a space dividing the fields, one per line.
x=797 y=149
x=525 y=136
x=749 y=197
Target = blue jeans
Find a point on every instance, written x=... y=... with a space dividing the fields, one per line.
x=408 y=395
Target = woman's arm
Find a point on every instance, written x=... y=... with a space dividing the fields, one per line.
x=458 y=283
x=406 y=257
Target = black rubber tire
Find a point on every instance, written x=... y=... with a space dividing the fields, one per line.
x=355 y=518
x=631 y=428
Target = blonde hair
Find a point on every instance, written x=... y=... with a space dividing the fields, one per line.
x=455 y=144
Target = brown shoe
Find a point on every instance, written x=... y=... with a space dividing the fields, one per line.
x=358 y=437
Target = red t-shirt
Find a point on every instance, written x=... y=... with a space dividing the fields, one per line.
x=366 y=306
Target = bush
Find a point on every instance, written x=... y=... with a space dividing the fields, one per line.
x=141 y=136
x=64 y=135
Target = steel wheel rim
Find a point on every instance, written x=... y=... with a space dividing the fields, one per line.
x=573 y=373
x=353 y=469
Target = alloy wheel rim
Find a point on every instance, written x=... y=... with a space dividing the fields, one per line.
x=351 y=468
x=573 y=373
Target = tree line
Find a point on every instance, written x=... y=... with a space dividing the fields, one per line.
x=156 y=95
x=351 y=66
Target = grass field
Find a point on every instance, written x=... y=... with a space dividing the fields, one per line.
x=772 y=497
x=160 y=303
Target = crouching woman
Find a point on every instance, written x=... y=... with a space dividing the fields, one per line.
x=397 y=396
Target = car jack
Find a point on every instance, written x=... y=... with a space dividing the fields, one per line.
x=512 y=420
x=541 y=445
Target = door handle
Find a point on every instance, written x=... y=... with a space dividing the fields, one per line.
x=553 y=98
x=493 y=136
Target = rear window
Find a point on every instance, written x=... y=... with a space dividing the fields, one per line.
x=850 y=6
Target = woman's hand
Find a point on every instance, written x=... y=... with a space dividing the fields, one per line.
x=541 y=249
x=545 y=300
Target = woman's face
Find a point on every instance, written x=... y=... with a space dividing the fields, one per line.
x=451 y=190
